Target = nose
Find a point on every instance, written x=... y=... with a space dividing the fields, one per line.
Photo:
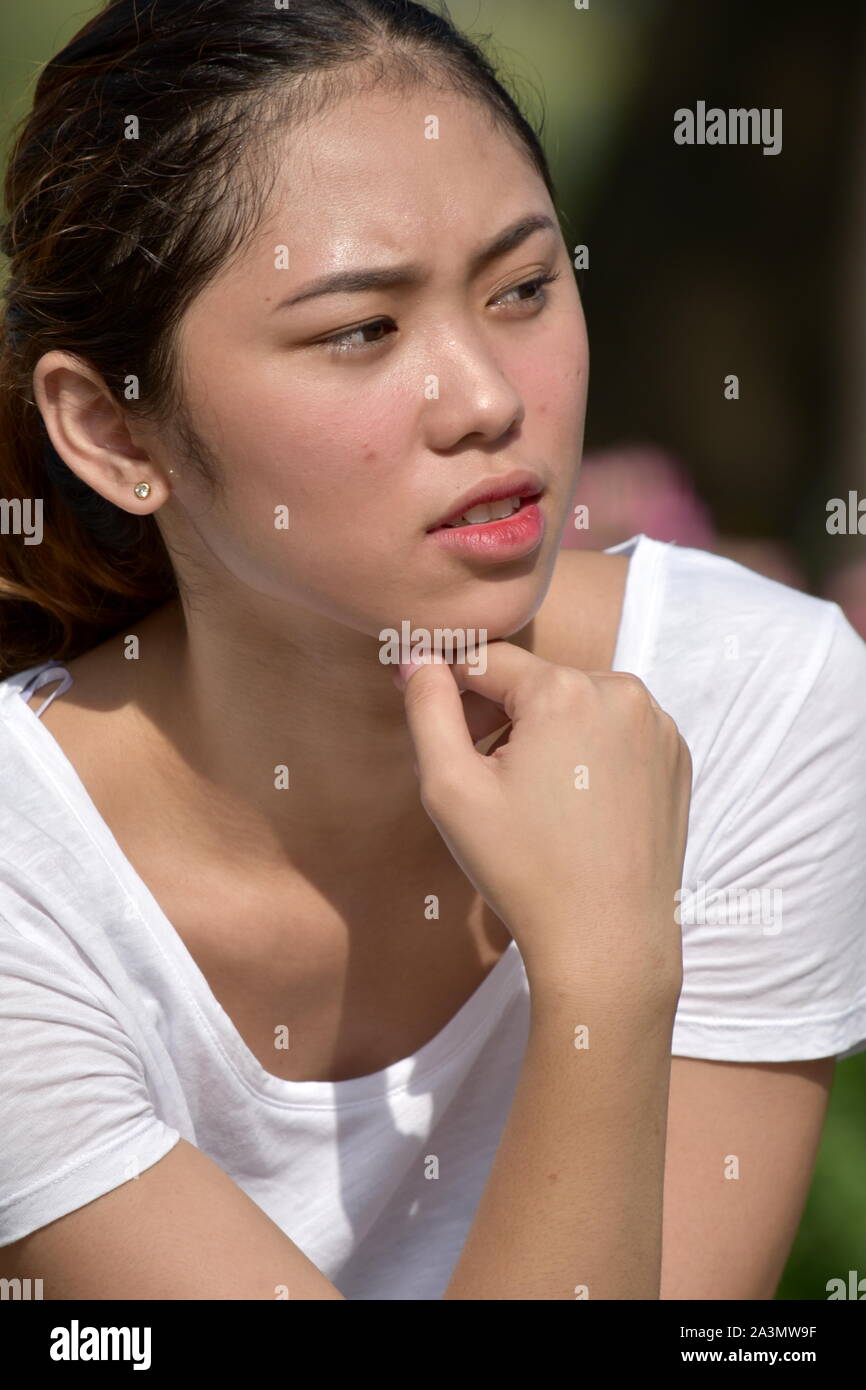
x=470 y=399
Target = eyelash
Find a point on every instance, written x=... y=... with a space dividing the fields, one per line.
x=337 y=343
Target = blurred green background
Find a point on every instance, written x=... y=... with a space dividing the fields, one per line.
x=700 y=264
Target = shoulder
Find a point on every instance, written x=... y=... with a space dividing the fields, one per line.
x=766 y=685
x=700 y=588
x=47 y=728
x=727 y=646
x=677 y=610
x=578 y=622
x=746 y=666
x=52 y=877
x=92 y=740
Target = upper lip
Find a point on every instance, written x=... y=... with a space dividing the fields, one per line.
x=494 y=490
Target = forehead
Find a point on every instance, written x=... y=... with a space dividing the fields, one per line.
x=392 y=170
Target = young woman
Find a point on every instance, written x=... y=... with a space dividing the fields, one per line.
x=314 y=983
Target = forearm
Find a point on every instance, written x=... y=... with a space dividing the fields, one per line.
x=574 y=1197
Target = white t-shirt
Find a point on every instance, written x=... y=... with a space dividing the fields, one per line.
x=112 y=1045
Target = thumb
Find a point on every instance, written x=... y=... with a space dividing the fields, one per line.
x=434 y=713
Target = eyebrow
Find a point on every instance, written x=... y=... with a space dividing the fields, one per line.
x=412 y=273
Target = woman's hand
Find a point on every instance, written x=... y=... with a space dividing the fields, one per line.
x=574 y=830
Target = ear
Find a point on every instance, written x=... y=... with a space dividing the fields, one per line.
x=92 y=434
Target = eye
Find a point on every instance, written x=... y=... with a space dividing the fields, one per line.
x=537 y=286
x=342 y=342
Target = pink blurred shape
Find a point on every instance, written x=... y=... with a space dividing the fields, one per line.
x=633 y=489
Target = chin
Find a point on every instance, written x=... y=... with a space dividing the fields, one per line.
x=500 y=606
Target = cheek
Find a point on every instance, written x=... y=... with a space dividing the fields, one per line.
x=557 y=394
x=304 y=505
x=321 y=457
x=294 y=431
x=554 y=389
x=554 y=378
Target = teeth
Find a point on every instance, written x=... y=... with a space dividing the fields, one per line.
x=488 y=511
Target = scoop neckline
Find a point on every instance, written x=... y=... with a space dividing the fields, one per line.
x=478 y=1011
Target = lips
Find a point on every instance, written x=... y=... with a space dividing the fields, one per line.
x=521 y=485
x=493 y=542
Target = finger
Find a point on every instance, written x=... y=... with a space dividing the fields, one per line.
x=503 y=674
x=434 y=714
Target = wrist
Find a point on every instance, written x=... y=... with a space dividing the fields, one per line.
x=566 y=981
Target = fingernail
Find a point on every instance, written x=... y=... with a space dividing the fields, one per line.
x=403 y=672
x=406 y=669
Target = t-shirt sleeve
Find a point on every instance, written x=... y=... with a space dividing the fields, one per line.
x=774 y=928
x=76 y=1118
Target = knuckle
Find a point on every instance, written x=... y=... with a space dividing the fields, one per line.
x=671 y=730
x=634 y=699
x=557 y=687
x=685 y=755
x=632 y=687
x=668 y=723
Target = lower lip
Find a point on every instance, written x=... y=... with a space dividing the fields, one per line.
x=518 y=534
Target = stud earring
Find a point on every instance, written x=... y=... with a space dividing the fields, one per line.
x=142 y=490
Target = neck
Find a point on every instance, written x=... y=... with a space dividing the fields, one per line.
x=231 y=696
x=235 y=701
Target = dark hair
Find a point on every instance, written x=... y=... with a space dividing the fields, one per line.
x=110 y=239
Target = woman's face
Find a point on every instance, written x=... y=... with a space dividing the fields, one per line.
x=368 y=415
